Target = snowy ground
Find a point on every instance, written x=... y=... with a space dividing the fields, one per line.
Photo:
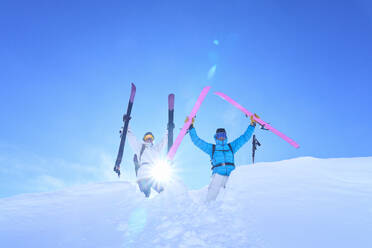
x=302 y=202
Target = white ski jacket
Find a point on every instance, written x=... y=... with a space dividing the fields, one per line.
x=150 y=155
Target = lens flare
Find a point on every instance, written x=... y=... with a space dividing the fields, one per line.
x=162 y=172
x=211 y=72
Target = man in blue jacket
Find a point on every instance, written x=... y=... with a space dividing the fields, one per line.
x=222 y=155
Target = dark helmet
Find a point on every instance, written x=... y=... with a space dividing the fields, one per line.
x=148 y=135
x=220 y=130
x=220 y=134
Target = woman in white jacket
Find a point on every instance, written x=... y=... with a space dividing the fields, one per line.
x=147 y=154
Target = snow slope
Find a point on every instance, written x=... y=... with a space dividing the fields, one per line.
x=303 y=202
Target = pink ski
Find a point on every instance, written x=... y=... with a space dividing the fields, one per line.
x=183 y=131
x=261 y=122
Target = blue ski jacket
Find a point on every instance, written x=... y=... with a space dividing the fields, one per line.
x=222 y=154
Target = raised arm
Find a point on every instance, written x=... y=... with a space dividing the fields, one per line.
x=201 y=144
x=134 y=143
x=163 y=142
x=239 y=142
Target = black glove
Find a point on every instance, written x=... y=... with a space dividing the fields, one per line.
x=190 y=127
x=126 y=118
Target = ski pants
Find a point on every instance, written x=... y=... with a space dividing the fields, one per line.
x=146 y=184
x=218 y=181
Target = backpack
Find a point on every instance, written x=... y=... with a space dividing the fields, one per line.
x=136 y=160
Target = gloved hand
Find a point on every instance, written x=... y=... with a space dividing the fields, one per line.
x=253 y=121
x=126 y=118
x=192 y=121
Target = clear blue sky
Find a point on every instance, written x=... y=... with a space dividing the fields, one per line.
x=66 y=68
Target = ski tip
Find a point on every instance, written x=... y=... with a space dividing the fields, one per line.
x=132 y=93
x=206 y=89
x=133 y=87
x=171 y=101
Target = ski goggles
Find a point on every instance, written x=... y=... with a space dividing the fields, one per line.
x=148 y=136
x=221 y=135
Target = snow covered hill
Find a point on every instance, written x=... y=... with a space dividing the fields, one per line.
x=303 y=202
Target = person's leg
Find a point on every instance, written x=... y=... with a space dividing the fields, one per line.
x=223 y=187
x=217 y=182
x=157 y=187
x=225 y=179
x=145 y=187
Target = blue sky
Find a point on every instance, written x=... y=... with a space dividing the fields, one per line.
x=66 y=68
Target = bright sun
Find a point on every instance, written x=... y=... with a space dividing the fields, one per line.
x=162 y=172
